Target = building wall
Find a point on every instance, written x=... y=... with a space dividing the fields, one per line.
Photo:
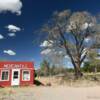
x=31 y=82
x=22 y=83
x=5 y=83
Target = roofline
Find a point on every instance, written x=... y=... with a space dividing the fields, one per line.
x=18 y=61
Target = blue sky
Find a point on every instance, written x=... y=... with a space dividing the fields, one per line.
x=34 y=13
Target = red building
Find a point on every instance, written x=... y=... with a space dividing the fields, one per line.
x=16 y=73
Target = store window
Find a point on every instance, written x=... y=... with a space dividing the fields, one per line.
x=5 y=75
x=26 y=75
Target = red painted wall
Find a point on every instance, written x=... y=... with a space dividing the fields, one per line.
x=30 y=67
x=31 y=82
x=6 y=83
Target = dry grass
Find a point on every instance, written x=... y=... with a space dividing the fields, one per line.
x=61 y=88
x=87 y=80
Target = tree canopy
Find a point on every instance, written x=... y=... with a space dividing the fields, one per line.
x=71 y=35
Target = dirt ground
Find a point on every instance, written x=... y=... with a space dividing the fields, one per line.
x=50 y=93
x=79 y=90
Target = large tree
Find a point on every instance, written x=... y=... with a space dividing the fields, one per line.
x=71 y=34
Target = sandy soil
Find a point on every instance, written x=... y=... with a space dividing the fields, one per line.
x=59 y=90
x=51 y=93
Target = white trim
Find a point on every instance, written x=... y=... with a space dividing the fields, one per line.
x=1 y=75
x=29 y=75
x=12 y=79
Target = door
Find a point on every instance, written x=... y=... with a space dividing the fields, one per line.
x=15 y=77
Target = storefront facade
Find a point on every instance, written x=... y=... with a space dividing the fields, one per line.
x=16 y=73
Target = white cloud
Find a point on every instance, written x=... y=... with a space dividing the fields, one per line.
x=85 y=26
x=9 y=52
x=91 y=25
x=66 y=56
x=1 y=36
x=13 y=6
x=11 y=34
x=60 y=52
x=13 y=28
x=47 y=43
x=46 y=51
x=84 y=52
x=87 y=40
x=71 y=26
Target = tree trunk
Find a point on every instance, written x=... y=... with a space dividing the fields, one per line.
x=78 y=73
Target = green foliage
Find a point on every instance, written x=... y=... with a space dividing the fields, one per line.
x=70 y=69
x=87 y=67
x=52 y=70
x=93 y=64
x=45 y=68
x=91 y=67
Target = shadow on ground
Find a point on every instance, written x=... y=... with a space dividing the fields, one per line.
x=38 y=83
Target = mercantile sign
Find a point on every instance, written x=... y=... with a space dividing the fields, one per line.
x=15 y=65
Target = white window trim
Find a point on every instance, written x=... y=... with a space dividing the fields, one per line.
x=1 y=75
x=29 y=75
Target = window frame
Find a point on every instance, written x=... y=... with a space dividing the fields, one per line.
x=14 y=75
x=23 y=75
x=1 y=75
